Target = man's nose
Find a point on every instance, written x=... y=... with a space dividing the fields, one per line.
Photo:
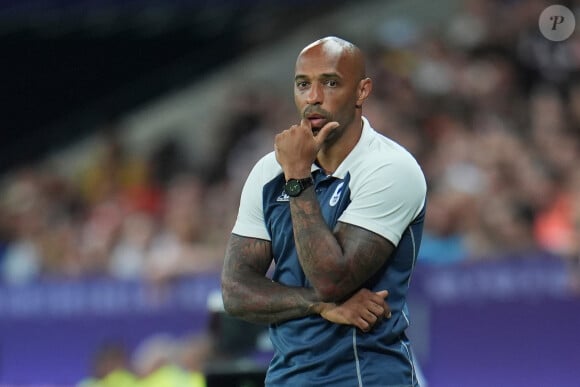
x=315 y=95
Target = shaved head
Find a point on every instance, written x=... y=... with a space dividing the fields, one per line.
x=339 y=49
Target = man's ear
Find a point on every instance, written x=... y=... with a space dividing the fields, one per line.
x=365 y=87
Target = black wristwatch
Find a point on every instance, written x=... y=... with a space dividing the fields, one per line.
x=294 y=187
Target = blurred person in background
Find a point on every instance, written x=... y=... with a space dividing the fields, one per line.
x=110 y=179
x=558 y=147
x=444 y=237
x=193 y=354
x=159 y=359
x=181 y=245
x=111 y=368
x=130 y=252
x=148 y=208
x=23 y=205
x=3 y=231
x=340 y=210
x=42 y=214
x=574 y=252
x=112 y=170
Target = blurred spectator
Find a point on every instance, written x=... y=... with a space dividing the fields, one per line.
x=574 y=249
x=193 y=354
x=113 y=170
x=156 y=364
x=114 y=185
x=111 y=368
x=444 y=237
x=23 y=202
x=166 y=162
x=129 y=254
x=3 y=233
x=41 y=214
x=181 y=246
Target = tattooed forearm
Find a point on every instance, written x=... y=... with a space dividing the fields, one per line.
x=251 y=296
x=336 y=264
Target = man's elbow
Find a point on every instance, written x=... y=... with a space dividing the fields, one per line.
x=231 y=305
x=231 y=309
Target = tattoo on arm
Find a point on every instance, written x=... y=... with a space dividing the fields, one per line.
x=336 y=264
x=248 y=294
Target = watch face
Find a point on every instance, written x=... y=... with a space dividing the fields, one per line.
x=293 y=187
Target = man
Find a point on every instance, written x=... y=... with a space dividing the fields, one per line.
x=339 y=208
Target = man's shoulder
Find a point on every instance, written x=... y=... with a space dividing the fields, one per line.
x=383 y=152
x=384 y=162
x=267 y=167
x=264 y=171
x=388 y=149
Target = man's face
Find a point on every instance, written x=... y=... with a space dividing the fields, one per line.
x=325 y=87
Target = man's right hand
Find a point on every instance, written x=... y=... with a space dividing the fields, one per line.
x=364 y=309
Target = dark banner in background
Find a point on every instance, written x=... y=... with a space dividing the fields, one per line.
x=495 y=324
x=505 y=323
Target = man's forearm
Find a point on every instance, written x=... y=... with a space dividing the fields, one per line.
x=260 y=300
x=248 y=294
x=319 y=252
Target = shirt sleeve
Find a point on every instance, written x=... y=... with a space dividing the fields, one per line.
x=250 y=219
x=387 y=198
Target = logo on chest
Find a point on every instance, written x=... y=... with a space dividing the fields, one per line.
x=336 y=195
x=283 y=197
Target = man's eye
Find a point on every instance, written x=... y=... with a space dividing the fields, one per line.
x=301 y=85
x=332 y=83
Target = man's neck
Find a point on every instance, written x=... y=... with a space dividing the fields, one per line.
x=330 y=158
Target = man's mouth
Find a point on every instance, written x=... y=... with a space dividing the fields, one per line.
x=317 y=121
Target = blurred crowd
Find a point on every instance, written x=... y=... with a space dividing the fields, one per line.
x=121 y=215
x=159 y=360
x=488 y=106
x=491 y=109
